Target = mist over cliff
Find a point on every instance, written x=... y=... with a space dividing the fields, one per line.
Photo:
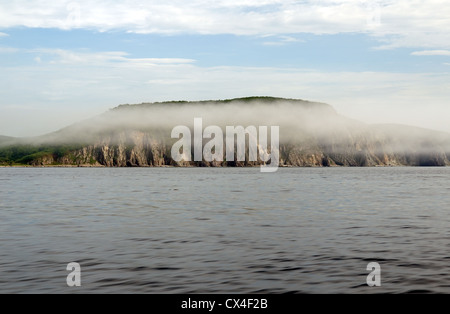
x=311 y=134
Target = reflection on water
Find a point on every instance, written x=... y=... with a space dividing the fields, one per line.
x=216 y=230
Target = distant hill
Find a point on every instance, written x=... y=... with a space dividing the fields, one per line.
x=4 y=140
x=311 y=134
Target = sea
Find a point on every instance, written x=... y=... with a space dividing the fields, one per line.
x=225 y=230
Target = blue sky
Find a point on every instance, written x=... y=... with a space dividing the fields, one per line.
x=329 y=52
x=376 y=61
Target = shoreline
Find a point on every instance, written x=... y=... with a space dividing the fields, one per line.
x=192 y=167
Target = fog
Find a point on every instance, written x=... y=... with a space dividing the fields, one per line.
x=305 y=124
x=294 y=117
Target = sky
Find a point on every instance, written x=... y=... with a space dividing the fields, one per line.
x=375 y=61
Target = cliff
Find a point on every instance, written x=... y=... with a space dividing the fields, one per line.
x=139 y=149
x=311 y=134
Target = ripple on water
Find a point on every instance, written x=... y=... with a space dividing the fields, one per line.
x=158 y=231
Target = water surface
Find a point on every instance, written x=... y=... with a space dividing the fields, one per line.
x=224 y=230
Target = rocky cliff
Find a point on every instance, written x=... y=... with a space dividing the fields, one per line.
x=139 y=149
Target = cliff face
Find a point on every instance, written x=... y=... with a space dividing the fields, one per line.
x=140 y=149
x=126 y=149
x=311 y=135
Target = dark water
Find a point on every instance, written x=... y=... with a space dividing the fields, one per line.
x=172 y=230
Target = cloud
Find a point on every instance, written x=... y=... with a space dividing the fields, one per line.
x=423 y=23
x=282 y=40
x=431 y=53
x=117 y=58
x=3 y=34
x=8 y=50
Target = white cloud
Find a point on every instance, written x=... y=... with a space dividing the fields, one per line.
x=3 y=34
x=118 y=58
x=8 y=50
x=67 y=86
x=282 y=40
x=401 y=23
x=431 y=53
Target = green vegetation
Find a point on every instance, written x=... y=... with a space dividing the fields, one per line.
x=258 y=98
x=26 y=154
x=26 y=160
x=261 y=99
